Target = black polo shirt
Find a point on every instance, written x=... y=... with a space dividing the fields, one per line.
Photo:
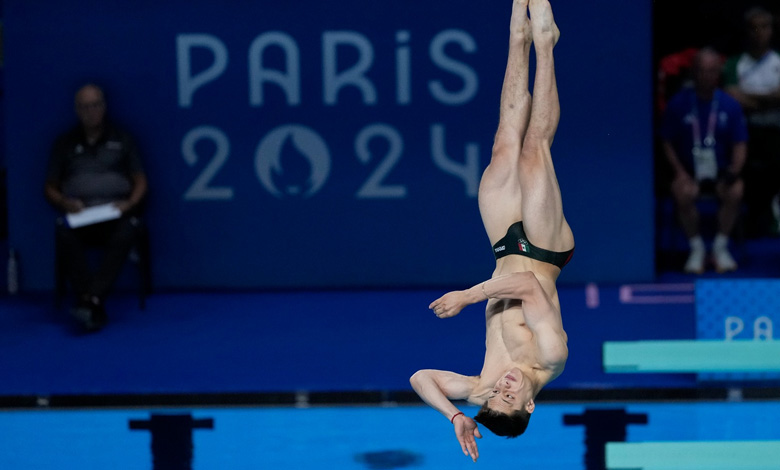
x=95 y=174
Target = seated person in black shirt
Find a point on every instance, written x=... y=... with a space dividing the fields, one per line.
x=94 y=164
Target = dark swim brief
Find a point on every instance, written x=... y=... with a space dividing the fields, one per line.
x=515 y=242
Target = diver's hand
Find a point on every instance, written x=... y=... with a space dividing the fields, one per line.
x=450 y=304
x=466 y=431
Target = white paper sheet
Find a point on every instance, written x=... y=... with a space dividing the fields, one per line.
x=93 y=215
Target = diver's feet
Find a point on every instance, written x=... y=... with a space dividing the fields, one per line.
x=543 y=27
x=520 y=25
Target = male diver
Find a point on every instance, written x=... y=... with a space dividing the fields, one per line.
x=521 y=209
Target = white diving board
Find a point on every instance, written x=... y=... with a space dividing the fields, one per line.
x=692 y=356
x=698 y=455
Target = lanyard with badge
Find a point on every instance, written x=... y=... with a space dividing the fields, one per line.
x=705 y=164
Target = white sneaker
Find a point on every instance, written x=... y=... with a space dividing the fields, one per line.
x=723 y=260
x=695 y=263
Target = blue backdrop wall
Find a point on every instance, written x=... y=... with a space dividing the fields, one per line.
x=323 y=144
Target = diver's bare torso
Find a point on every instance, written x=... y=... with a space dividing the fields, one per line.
x=509 y=342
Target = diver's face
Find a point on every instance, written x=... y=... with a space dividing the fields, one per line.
x=512 y=392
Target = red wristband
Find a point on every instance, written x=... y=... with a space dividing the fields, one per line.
x=452 y=420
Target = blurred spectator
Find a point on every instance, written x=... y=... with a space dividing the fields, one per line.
x=673 y=73
x=753 y=78
x=704 y=140
x=95 y=164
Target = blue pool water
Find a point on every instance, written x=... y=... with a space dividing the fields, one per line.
x=353 y=437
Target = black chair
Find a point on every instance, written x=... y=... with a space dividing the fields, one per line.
x=139 y=256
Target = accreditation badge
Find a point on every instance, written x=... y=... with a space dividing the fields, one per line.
x=705 y=165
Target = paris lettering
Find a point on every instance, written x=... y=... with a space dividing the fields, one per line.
x=206 y=148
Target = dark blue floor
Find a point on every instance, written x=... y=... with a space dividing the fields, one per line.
x=231 y=342
x=282 y=342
